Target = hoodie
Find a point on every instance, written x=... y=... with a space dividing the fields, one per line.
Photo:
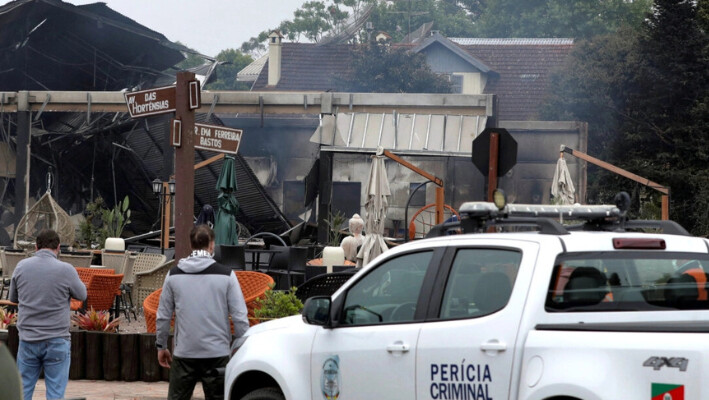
x=203 y=294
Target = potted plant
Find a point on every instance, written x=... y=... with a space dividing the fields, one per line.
x=277 y=304
x=102 y=350
x=101 y=223
x=115 y=220
x=90 y=227
x=7 y=318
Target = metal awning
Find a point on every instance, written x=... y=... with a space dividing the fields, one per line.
x=444 y=134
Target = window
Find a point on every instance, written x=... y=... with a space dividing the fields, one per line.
x=480 y=282
x=389 y=293
x=456 y=83
x=629 y=281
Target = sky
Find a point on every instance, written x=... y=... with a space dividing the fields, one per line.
x=208 y=26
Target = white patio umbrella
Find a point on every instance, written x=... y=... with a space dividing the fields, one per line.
x=375 y=211
x=562 y=187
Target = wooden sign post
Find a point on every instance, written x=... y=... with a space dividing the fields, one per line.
x=184 y=164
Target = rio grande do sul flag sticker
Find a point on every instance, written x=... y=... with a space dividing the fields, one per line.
x=667 y=391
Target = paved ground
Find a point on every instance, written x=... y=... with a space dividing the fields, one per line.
x=117 y=390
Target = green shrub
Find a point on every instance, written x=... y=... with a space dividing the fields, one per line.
x=277 y=304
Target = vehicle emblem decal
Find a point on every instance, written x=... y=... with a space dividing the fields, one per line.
x=667 y=391
x=330 y=378
x=671 y=362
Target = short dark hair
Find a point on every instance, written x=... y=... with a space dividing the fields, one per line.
x=47 y=239
x=200 y=237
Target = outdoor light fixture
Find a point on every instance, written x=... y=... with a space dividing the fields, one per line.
x=171 y=184
x=157 y=186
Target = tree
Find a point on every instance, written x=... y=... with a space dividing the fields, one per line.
x=192 y=59
x=557 y=18
x=233 y=62
x=377 y=68
x=665 y=131
x=593 y=86
x=317 y=19
x=401 y=17
x=645 y=96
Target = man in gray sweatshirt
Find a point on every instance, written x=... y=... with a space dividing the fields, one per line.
x=203 y=294
x=43 y=286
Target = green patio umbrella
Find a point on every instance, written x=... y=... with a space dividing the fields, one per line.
x=225 y=220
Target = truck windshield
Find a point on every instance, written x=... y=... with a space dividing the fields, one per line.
x=629 y=281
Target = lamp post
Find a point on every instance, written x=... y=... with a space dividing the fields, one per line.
x=165 y=191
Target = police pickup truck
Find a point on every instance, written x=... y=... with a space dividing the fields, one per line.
x=569 y=302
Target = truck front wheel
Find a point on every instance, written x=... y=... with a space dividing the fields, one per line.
x=268 y=393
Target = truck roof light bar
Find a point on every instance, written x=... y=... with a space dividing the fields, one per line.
x=550 y=219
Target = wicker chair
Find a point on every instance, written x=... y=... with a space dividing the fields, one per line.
x=77 y=260
x=102 y=291
x=145 y=262
x=253 y=286
x=127 y=304
x=114 y=259
x=8 y=262
x=149 y=281
x=85 y=275
x=150 y=310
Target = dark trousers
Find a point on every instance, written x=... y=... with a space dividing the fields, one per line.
x=186 y=372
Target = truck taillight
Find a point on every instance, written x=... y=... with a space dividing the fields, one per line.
x=639 y=243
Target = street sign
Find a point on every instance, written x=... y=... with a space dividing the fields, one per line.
x=151 y=101
x=217 y=138
x=507 y=151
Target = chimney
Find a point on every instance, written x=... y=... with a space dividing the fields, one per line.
x=274 y=58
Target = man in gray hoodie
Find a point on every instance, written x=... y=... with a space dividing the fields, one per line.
x=43 y=286
x=203 y=294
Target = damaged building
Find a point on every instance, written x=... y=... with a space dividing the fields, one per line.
x=306 y=146
x=504 y=79
x=58 y=59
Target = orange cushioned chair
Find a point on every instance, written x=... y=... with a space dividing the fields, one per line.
x=102 y=291
x=253 y=286
x=150 y=309
x=85 y=275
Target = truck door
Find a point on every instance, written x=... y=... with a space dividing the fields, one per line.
x=371 y=354
x=467 y=347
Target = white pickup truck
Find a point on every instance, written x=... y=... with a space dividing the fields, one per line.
x=598 y=310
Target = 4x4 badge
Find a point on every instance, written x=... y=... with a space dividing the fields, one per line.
x=673 y=362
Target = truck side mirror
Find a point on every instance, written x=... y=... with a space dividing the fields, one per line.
x=316 y=311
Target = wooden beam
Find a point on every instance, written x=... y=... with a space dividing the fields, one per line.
x=208 y=161
x=620 y=171
x=617 y=170
x=438 y=181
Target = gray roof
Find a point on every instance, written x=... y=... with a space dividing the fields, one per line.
x=454 y=48
x=251 y=72
x=512 y=41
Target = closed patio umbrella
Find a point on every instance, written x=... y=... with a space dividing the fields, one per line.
x=225 y=220
x=376 y=207
x=562 y=187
